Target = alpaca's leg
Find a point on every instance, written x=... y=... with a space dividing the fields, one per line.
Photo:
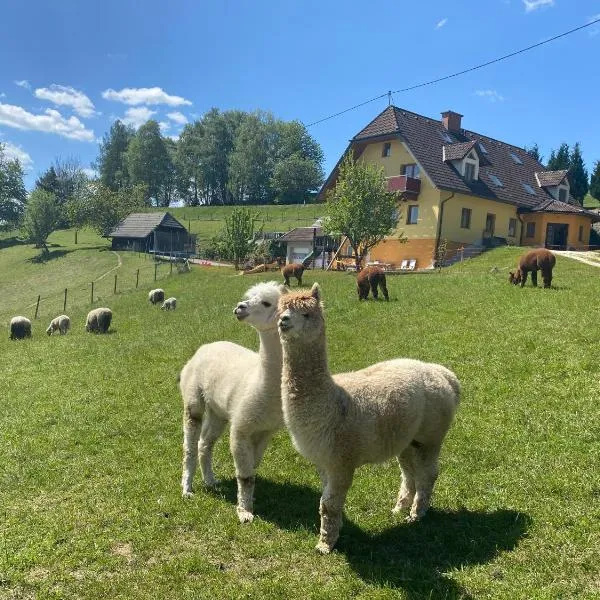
x=286 y=281
x=261 y=441
x=299 y=278
x=523 y=278
x=374 y=290
x=332 y=507
x=242 y=449
x=191 y=434
x=407 y=487
x=426 y=472
x=547 y=277
x=384 y=290
x=212 y=428
x=534 y=278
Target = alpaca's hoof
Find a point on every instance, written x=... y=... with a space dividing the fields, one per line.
x=323 y=548
x=187 y=494
x=402 y=504
x=413 y=518
x=245 y=516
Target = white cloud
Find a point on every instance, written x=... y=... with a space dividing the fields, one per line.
x=137 y=116
x=531 y=5
x=135 y=96
x=49 y=122
x=441 y=23
x=23 y=83
x=491 y=95
x=175 y=138
x=67 y=96
x=11 y=151
x=164 y=125
x=2 y=95
x=178 y=117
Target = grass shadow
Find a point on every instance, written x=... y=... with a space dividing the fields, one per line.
x=11 y=241
x=45 y=257
x=413 y=557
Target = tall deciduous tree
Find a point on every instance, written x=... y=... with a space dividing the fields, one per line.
x=360 y=207
x=560 y=159
x=13 y=196
x=595 y=181
x=41 y=218
x=112 y=162
x=149 y=163
x=578 y=175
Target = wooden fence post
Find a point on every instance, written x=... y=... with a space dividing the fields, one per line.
x=155 y=268
x=137 y=278
x=65 y=302
x=115 y=289
x=37 y=306
x=171 y=271
x=92 y=296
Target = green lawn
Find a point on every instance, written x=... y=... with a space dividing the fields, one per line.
x=91 y=449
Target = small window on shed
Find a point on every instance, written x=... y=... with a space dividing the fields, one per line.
x=516 y=159
x=386 y=150
x=530 y=231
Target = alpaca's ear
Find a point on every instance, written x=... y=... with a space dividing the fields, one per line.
x=315 y=291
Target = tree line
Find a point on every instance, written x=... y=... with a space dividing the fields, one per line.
x=230 y=157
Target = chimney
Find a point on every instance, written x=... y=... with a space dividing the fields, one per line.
x=451 y=120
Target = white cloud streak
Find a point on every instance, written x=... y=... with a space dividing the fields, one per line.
x=151 y=96
x=137 y=116
x=177 y=117
x=441 y=23
x=12 y=151
x=23 y=83
x=164 y=126
x=62 y=95
x=531 y=5
x=49 y=122
x=491 y=95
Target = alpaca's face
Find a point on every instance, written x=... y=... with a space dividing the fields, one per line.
x=514 y=277
x=301 y=316
x=259 y=305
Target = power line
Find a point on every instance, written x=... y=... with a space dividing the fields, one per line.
x=463 y=72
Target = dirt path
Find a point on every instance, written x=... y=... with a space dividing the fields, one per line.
x=589 y=258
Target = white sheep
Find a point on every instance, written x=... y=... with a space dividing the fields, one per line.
x=62 y=324
x=169 y=304
x=20 y=328
x=156 y=296
x=225 y=382
x=98 y=320
x=400 y=408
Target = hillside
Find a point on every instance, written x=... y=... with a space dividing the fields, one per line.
x=91 y=443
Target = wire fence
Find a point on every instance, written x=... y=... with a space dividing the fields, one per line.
x=94 y=293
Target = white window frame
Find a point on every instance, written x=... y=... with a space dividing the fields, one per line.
x=408 y=214
x=564 y=188
x=412 y=166
x=471 y=159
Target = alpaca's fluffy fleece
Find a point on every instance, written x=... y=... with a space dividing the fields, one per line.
x=98 y=320
x=224 y=382
x=400 y=408
x=62 y=324
x=20 y=328
x=156 y=296
x=169 y=304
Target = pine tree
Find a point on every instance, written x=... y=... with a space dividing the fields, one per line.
x=48 y=181
x=595 y=181
x=578 y=175
x=560 y=160
x=534 y=152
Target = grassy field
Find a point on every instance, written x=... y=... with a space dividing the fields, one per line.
x=91 y=448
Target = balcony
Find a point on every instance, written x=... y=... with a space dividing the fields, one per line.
x=408 y=187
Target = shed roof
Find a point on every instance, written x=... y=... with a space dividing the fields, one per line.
x=141 y=225
x=301 y=234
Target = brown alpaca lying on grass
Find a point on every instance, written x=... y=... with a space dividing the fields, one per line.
x=533 y=261
x=292 y=271
x=368 y=279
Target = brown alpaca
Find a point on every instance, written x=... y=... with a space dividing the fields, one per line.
x=292 y=271
x=533 y=261
x=368 y=279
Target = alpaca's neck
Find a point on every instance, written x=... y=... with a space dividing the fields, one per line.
x=270 y=355
x=305 y=374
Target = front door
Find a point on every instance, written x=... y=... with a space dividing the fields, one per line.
x=557 y=235
x=490 y=224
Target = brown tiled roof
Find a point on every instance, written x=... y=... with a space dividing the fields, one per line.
x=301 y=234
x=556 y=206
x=550 y=178
x=457 y=151
x=426 y=138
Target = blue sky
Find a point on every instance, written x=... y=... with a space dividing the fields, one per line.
x=70 y=67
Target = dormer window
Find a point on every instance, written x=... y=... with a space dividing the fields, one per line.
x=411 y=170
x=470 y=167
x=563 y=194
x=469 y=171
x=386 y=150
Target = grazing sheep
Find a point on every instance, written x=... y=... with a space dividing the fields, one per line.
x=368 y=279
x=62 y=324
x=20 y=328
x=536 y=260
x=399 y=408
x=225 y=382
x=156 y=296
x=98 y=320
x=169 y=304
x=292 y=270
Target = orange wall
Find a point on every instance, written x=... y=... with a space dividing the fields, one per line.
x=392 y=251
x=541 y=220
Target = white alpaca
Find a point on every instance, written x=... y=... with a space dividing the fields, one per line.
x=225 y=382
x=399 y=408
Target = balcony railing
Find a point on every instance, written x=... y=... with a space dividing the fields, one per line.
x=409 y=186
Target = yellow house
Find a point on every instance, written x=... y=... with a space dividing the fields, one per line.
x=463 y=190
